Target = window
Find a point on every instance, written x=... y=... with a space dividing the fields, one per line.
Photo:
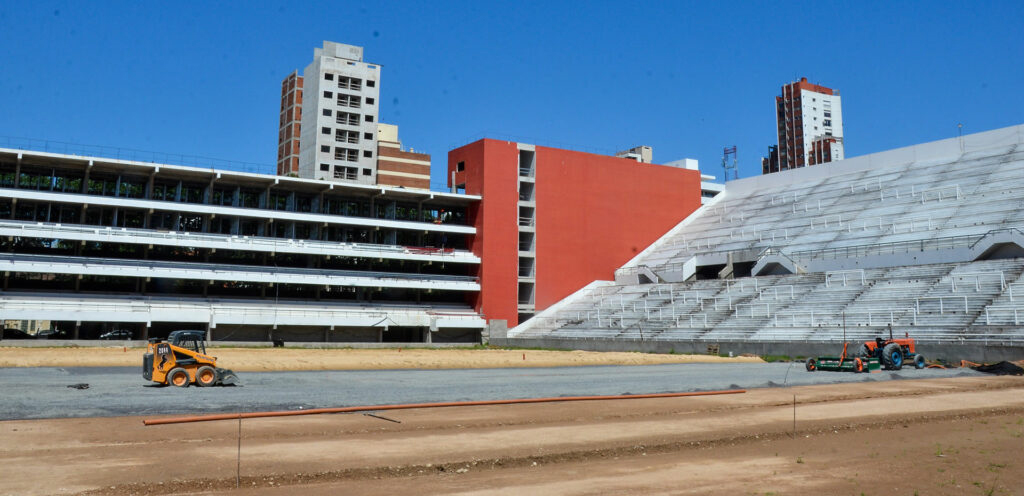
x=368 y=136
x=342 y=136
x=327 y=112
x=371 y=83
x=325 y=167
x=325 y=130
x=367 y=154
x=369 y=118
x=328 y=94
x=828 y=122
x=346 y=154
x=461 y=166
x=329 y=77
x=369 y=101
x=345 y=172
x=325 y=148
x=348 y=119
x=828 y=114
x=367 y=172
x=349 y=101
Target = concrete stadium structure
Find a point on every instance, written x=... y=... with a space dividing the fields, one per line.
x=927 y=240
x=95 y=244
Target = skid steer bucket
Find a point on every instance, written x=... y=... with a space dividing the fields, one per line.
x=227 y=377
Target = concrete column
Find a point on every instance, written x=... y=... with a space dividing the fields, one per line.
x=17 y=172
x=427 y=336
x=78 y=325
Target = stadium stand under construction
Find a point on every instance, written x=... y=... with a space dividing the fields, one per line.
x=926 y=240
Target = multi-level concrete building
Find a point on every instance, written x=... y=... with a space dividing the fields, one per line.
x=551 y=221
x=95 y=244
x=809 y=119
x=338 y=138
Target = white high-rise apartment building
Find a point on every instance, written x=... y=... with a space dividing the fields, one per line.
x=338 y=137
x=810 y=126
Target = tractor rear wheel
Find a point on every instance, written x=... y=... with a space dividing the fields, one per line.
x=206 y=376
x=892 y=356
x=178 y=377
x=811 y=365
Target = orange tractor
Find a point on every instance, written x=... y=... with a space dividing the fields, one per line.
x=871 y=356
x=893 y=353
x=181 y=360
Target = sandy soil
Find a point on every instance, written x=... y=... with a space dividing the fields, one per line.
x=933 y=436
x=283 y=359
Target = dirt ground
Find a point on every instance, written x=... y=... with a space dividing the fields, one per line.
x=934 y=436
x=288 y=359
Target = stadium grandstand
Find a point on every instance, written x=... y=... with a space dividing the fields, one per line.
x=93 y=245
x=926 y=240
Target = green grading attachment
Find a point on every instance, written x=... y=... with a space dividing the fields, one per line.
x=844 y=363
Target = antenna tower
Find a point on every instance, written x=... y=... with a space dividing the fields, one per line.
x=729 y=169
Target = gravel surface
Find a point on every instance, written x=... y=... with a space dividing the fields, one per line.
x=34 y=393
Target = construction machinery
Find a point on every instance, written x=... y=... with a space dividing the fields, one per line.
x=872 y=356
x=893 y=353
x=843 y=363
x=181 y=360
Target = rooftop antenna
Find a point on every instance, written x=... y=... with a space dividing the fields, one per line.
x=960 y=135
x=730 y=171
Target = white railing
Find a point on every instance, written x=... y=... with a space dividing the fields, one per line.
x=228 y=241
x=829 y=276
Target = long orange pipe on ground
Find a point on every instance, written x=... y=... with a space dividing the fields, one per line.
x=408 y=406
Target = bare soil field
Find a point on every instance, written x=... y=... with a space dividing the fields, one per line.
x=293 y=359
x=932 y=436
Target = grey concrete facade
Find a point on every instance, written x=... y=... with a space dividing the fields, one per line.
x=339 y=116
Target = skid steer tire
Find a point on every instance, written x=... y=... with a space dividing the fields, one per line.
x=178 y=377
x=206 y=376
x=811 y=365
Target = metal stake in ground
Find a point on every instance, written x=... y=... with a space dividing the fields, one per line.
x=238 y=459
x=794 y=416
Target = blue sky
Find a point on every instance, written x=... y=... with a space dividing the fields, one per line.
x=687 y=78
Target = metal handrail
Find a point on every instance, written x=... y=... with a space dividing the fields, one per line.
x=279 y=244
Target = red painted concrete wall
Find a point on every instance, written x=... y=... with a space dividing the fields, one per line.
x=491 y=170
x=595 y=213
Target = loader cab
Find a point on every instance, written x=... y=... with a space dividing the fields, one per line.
x=190 y=340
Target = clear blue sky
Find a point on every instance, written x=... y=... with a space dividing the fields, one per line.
x=684 y=77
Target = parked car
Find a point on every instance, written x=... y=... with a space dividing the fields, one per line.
x=119 y=334
x=51 y=334
x=12 y=333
